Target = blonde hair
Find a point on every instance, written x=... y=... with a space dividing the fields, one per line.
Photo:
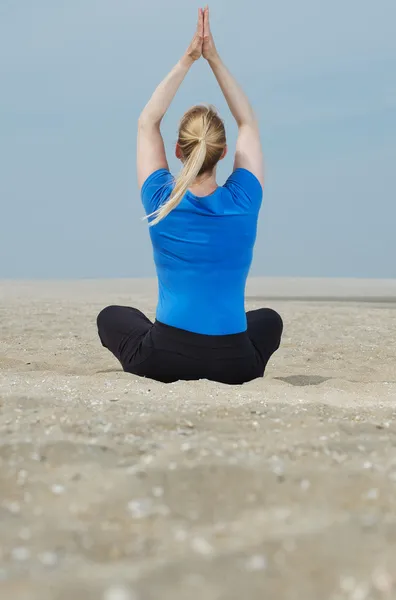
x=201 y=140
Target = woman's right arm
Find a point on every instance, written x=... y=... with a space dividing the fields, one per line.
x=150 y=146
x=249 y=154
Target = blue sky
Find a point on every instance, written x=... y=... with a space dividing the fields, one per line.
x=75 y=76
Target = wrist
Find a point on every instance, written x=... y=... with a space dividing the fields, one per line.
x=214 y=60
x=186 y=61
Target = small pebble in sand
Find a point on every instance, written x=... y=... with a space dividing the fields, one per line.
x=57 y=489
x=201 y=546
x=257 y=562
x=369 y=521
x=48 y=559
x=347 y=584
x=21 y=477
x=355 y=590
x=383 y=581
x=180 y=535
x=119 y=592
x=140 y=509
x=20 y=553
x=14 y=508
x=372 y=494
x=158 y=491
x=305 y=485
x=278 y=469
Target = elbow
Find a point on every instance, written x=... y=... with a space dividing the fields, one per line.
x=247 y=121
x=143 y=121
x=248 y=124
x=148 y=122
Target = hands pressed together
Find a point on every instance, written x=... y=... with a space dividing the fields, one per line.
x=202 y=43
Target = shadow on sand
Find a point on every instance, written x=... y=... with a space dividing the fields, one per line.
x=304 y=380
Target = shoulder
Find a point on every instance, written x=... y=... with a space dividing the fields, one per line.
x=245 y=189
x=156 y=189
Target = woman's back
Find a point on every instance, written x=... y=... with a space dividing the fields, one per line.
x=203 y=252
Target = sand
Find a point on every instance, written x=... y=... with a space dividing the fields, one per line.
x=119 y=488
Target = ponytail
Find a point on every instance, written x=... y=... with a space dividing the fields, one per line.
x=201 y=141
x=189 y=173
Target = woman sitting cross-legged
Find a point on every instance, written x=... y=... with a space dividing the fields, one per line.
x=203 y=236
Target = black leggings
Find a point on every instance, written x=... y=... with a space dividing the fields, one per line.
x=168 y=354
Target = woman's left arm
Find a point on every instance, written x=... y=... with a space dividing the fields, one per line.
x=150 y=145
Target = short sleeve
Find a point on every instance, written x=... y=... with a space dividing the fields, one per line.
x=246 y=189
x=156 y=190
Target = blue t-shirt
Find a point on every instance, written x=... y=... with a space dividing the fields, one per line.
x=203 y=251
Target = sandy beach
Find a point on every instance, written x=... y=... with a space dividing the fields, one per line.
x=119 y=488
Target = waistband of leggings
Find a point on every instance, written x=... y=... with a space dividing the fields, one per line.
x=199 y=339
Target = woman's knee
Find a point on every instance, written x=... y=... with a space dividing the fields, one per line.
x=105 y=316
x=271 y=316
x=277 y=319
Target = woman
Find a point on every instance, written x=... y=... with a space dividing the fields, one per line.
x=203 y=237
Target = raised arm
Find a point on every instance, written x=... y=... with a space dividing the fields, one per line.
x=150 y=145
x=249 y=154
